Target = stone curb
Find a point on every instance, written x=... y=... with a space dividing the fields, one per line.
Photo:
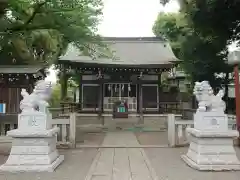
x=122 y=146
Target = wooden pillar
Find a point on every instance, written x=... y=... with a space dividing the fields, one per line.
x=63 y=82
x=30 y=83
x=237 y=96
x=140 y=102
x=100 y=98
x=80 y=92
x=137 y=95
x=159 y=91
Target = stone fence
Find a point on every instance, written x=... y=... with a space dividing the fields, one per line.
x=65 y=138
x=177 y=134
x=74 y=125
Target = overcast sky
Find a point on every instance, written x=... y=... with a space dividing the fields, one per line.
x=129 y=18
x=126 y=18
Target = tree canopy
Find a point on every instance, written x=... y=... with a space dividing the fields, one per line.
x=203 y=52
x=3 y=5
x=38 y=31
x=213 y=16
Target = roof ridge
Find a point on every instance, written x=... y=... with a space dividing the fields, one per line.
x=150 y=38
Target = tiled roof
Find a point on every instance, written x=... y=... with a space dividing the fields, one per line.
x=19 y=69
x=126 y=51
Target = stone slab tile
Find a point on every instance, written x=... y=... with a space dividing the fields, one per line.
x=105 y=162
x=121 y=163
x=138 y=165
x=101 y=177
x=121 y=166
x=141 y=177
x=123 y=139
x=75 y=167
x=168 y=165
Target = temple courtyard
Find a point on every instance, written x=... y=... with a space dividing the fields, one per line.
x=123 y=156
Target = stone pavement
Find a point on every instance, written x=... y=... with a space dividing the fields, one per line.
x=128 y=163
x=169 y=166
x=75 y=167
x=121 y=163
x=121 y=139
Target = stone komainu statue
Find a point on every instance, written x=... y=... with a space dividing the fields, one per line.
x=37 y=100
x=207 y=101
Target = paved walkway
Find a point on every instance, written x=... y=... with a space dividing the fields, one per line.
x=74 y=167
x=121 y=139
x=168 y=165
x=121 y=163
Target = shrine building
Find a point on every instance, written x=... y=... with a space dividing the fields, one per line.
x=130 y=73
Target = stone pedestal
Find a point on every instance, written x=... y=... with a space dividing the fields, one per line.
x=34 y=145
x=211 y=144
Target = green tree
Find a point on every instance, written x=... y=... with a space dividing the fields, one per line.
x=220 y=18
x=39 y=31
x=55 y=99
x=218 y=22
x=202 y=56
x=3 y=6
x=214 y=17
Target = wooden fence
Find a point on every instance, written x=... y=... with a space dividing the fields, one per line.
x=177 y=134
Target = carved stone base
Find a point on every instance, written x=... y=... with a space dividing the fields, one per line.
x=208 y=167
x=211 y=151
x=33 y=168
x=33 y=151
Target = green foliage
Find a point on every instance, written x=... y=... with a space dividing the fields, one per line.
x=202 y=55
x=38 y=31
x=56 y=96
x=3 y=6
x=220 y=18
x=55 y=99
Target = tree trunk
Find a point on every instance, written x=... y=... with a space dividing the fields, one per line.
x=3 y=6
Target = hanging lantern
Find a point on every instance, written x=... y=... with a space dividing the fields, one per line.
x=122 y=87
x=115 y=87
x=99 y=75
x=109 y=87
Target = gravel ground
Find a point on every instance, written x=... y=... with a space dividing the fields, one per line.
x=5 y=148
x=152 y=138
x=169 y=166
x=92 y=139
x=74 y=167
